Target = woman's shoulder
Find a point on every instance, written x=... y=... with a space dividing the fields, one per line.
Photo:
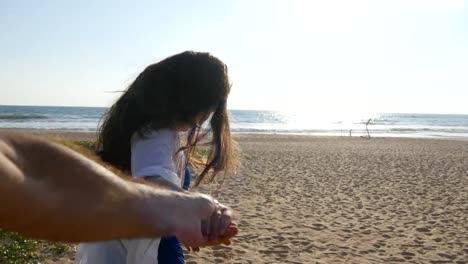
x=161 y=135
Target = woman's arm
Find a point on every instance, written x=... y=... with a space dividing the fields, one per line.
x=50 y=192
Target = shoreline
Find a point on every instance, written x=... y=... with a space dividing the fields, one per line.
x=91 y=135
x=62 y=134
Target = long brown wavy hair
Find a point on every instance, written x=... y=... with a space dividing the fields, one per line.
x=166 y=94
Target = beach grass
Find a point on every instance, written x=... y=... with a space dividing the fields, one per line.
x=18 y=249
x=87 y=144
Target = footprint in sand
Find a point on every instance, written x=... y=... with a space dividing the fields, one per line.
x=386 y=236
x=395 y=259
x=239 y=251
x=279 y=238
x=366 y=232
x=407 y=255
x=423 y=229
x=318 y=227
x=447 y=256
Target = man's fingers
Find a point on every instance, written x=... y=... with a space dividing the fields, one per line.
x=225 y=221
x=215 y=223
x=205 y=228
x=195 y=224
x=206 y=205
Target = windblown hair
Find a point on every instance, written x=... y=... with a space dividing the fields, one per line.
x=171 y=92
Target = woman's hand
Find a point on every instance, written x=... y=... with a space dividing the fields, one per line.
x=218 y=223
x=225 y=239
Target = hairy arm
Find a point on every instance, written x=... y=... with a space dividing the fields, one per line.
x=160 y=182
x=50 y=192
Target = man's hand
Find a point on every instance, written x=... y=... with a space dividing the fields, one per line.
x=218 y=229
x=189 y=214
x=219 y=222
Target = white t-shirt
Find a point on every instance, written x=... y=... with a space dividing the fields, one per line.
x=157 y=154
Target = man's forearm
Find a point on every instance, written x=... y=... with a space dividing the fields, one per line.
x=160 y=182
x=50 y=192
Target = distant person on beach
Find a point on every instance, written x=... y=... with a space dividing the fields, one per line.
x=140 y=135
x=50 y=192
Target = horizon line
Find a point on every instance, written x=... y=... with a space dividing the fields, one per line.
x=265 y=110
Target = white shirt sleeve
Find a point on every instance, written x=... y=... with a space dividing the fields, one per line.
x=154 y=155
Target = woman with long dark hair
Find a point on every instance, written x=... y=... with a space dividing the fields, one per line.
x=140 y=135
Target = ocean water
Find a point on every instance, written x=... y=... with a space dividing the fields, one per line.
x=250 y=121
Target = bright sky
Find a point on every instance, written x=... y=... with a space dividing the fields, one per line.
x=314 y=56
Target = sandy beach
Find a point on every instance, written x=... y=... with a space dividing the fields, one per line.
x=301 y=199
x=342 y=200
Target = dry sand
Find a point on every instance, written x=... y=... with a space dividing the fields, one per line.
x=305 y=199
x=347 y=200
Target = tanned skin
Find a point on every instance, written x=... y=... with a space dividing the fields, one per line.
x=50 y=192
